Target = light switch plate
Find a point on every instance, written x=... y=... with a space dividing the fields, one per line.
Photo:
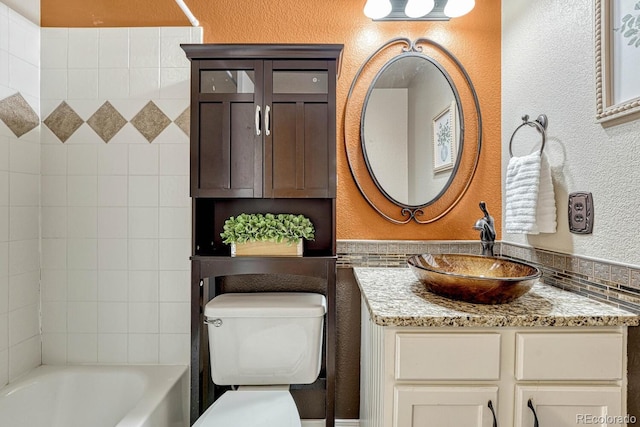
x=581 y=213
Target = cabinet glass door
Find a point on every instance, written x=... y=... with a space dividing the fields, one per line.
x=300 y=82
x=227 y=81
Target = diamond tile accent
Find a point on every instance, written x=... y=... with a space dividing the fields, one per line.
x=18 y=115
x=106 y=121
x=63 y=121
x=184 y=121
x=150 y=121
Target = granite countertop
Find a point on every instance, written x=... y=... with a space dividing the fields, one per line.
x=395 y=297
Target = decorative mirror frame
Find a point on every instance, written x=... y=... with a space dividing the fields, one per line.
x=468 y=154
x=607 y=112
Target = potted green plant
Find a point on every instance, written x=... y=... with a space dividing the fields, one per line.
x=267 y=234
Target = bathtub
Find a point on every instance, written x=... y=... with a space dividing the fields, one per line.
x=97 y=396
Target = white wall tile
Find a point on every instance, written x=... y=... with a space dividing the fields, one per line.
x=175 y=286
x=54 y=190
x=4 y=331
x=82 y=317
x=144 y=83
x=113 y=159
x=53 y=84
x=82 y=285
x=175 y=317
x=24 y=189
x=25 y=223
x=82 y=348
x=24 y=356
x=24 y=78
x=112 y=254
x=23 y=256
x=174 y=254
x=54 y=222
x=143 y=254
x=54 y=317
x=112 y=222
x=144 y=50
x=54 y=254
x=24 y=290
x=112 y=348
x=4 y=187
x=174 y=349
x=54 y=348
x=174 y=83
x=113 y=285
x=175 y=223
x=82 y=254
x=143 y=317
x=4 y=296
x=143 y=286
x=4 y=153
x=143 y=191
x=82 y=159
x=54 y=48
x=4 y=223
x=143 y=159
x=143 y=348
x=113 y=317
x=171 y=55
x=82 y=83
x=174 y=159
x=174 y=191
x=83 y=48
x=24 y=157
x=53 y=285
x=113 y=83
x=81 y=190
x=4 y=367
x=23 y=324
x=112 y=190
x=143 y=223
x=54 y=159
x=113 y=49
x=4 y=68
x=82 y=222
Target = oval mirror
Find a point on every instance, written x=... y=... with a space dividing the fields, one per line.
x=410 y=130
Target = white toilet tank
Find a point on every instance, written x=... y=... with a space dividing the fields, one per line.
x=265 y=338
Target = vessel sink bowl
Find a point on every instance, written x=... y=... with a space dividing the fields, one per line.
x=474 y=278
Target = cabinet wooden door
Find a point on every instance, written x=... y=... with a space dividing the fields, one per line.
x=299 y=128
x=227 y=151
x=564 y=406
x=445 y=406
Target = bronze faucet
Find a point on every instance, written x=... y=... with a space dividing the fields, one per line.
x=487 y=231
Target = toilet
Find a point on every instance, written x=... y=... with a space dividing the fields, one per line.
x=262 y=342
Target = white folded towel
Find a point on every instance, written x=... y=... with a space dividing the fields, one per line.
x=530 y=200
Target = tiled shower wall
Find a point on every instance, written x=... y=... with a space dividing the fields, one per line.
x=19 y=195
x=115 y=195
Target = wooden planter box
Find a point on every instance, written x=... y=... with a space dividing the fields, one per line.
x=267 y=248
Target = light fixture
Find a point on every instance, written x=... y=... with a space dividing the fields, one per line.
x=418 y=8
x=376 y=9
x=456 y=8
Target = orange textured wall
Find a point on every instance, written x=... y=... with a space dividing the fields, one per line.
x=474 y=39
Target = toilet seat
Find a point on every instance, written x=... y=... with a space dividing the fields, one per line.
x=252 y=408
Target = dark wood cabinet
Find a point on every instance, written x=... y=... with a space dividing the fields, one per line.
x=263 y=120
x=263 y=139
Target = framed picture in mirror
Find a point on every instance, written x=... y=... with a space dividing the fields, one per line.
x=617 y=45
x=444 y=138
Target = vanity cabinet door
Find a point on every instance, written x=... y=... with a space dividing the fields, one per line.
x=564 y=406
x=445 y=406
x=226 y=152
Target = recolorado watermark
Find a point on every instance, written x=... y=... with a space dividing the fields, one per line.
x=605 y=419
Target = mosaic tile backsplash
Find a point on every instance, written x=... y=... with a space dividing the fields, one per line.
x=608 y=282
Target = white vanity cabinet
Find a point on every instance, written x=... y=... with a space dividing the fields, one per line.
x=486 y=376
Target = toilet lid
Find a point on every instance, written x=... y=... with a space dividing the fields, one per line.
x=252 y=408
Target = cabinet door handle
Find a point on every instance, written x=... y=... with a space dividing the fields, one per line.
x=267 y=120
x=535 y=416
x=258 y=131
x=493 y=412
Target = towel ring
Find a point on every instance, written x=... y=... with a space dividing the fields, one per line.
x=540 y=123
